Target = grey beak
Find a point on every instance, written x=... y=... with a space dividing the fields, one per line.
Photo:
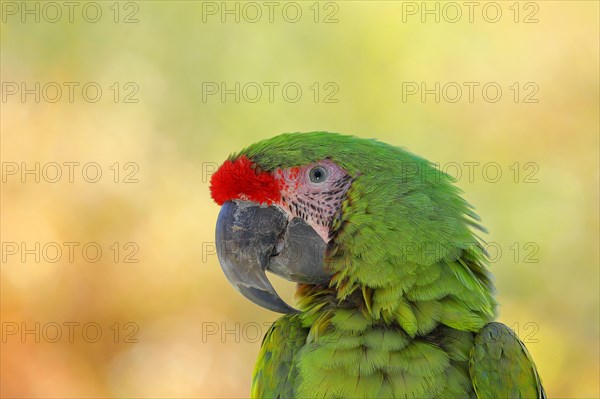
x=251 y=239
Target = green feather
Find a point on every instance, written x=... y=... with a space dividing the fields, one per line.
x=501 y=367
x=408 y=311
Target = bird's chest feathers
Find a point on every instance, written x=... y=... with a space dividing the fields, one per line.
x=374 y=362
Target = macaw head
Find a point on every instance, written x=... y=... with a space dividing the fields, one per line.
x=337 y=211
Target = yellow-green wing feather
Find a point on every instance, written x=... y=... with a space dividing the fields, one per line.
x=501 y=367
x=275 y=373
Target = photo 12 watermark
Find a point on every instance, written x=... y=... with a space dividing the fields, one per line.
x=69 y=332
x=517 y=252
x=70 y=92
x=526 y=172
x=470 y=92
x=68 y=252
x=52 y=12
x=253 y=92
x=453 y=12
x=254 y=332
x=251 y=12
x=69 y=172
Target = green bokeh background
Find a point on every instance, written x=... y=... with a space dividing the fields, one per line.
x=196 y=337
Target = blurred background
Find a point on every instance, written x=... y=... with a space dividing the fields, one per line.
x=114 y=115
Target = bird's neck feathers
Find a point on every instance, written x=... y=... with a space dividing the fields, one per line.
x=390 y=276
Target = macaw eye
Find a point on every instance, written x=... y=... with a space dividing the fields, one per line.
x=318 y=174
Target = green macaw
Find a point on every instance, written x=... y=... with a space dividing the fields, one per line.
x=394 y=298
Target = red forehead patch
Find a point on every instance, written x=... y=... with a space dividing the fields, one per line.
x=239 y=180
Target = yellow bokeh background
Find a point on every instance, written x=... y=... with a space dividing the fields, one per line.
x=170 y=324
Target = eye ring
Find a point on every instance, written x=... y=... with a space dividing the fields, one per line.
x=318 y=174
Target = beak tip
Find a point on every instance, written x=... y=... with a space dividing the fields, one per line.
x=266 y=299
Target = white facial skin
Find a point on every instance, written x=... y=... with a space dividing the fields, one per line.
x=314 y=193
